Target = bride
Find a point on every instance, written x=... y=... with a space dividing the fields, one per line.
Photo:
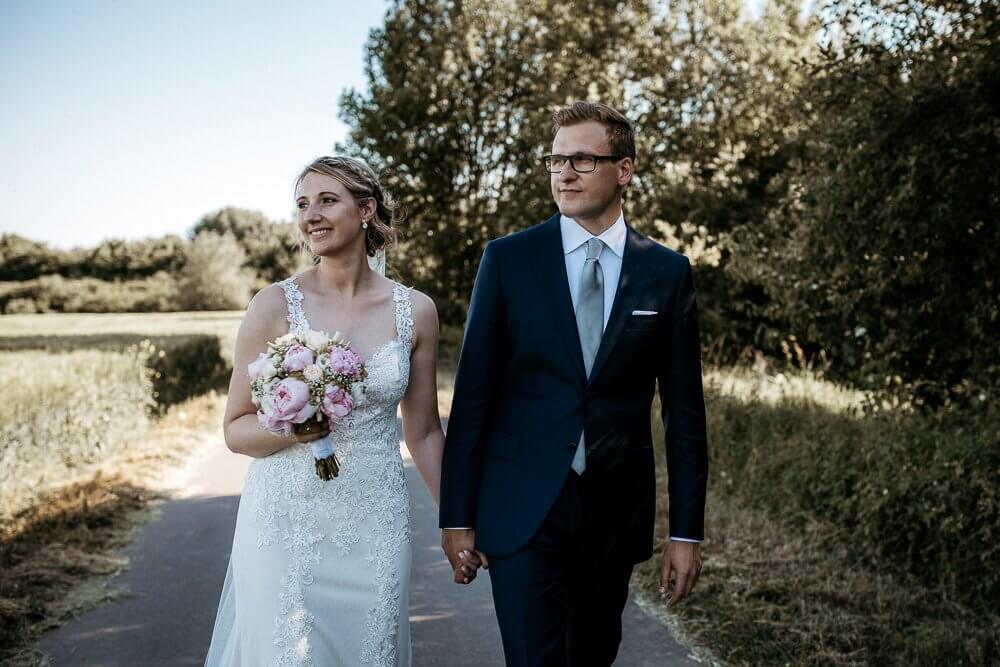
x=319 y=572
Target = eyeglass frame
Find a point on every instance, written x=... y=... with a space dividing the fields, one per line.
x=569 y=158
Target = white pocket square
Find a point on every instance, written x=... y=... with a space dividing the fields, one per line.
x=644 y=312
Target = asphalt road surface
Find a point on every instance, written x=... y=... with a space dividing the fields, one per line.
x=178 y=562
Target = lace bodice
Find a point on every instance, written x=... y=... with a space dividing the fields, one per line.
x=367 y=501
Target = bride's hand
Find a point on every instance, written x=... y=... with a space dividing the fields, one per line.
x=469 y=564
x=311 y=430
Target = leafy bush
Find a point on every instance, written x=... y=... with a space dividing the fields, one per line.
x=213 y=277
x=53 y=293
x=883 y=256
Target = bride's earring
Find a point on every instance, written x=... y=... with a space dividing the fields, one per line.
x=364 y=223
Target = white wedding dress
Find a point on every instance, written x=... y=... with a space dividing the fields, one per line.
x=319 y=573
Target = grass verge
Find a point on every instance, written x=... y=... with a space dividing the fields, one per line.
x=57 y=552
x=783 y=585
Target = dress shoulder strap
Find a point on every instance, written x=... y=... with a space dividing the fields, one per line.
x=293 y=298
x=404 y=314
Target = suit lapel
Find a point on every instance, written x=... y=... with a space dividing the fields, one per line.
x=630 y=284
x=549 y=263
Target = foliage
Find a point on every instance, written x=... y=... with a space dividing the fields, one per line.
x=213 y=277
x=271 y=248
x=882 y=255
x=53 y=293
x=113 y=259
x=912 y=494
x=835 y=538
x=458 y=108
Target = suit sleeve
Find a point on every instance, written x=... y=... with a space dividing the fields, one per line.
x=476 y=383
x=683 y=413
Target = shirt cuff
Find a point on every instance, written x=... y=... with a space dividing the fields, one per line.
x=684 y=539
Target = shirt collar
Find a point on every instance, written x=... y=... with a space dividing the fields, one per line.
x=574 y=236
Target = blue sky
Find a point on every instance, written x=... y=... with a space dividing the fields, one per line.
x=134 y=118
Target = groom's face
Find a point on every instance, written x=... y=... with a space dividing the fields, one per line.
x=588 y=195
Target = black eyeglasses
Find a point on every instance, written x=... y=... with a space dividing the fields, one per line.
x=580 y=163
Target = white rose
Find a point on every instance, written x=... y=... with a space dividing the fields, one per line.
x=315 y=340
x=312 y=372
x=357 y=393
x=287 y=339
x=270 y=370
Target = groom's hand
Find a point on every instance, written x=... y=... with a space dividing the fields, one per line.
x=459 y=546
x=684 y=560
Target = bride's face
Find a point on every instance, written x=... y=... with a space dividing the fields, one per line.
x=328 y=215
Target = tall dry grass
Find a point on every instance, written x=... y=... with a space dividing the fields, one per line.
x=837 y=538
x=61 y=414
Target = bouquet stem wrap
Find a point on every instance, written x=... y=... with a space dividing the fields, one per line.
x=327 y=466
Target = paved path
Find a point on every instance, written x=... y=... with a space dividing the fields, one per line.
x=178 y=562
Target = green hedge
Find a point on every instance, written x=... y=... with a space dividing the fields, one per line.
x=181 y=366
x=911 y=493
x=55 y=294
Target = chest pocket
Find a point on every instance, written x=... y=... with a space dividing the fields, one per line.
x=642 y=323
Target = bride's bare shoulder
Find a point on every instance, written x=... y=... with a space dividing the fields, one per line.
x=267 y=311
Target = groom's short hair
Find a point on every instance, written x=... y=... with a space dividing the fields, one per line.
x=621 y=137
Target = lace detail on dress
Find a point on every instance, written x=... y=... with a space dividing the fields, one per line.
x=366 y=507
x=293 y=297
x=404 y=314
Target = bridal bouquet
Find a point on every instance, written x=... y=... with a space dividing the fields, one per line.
x=302 y=379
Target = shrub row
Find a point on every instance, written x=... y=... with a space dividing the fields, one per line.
x=180 y=366
x=55 y=294
x=913 y=493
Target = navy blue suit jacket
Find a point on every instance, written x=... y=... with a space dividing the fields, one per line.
x=522 y=397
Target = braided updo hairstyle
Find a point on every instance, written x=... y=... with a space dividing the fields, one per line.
x=362 y=182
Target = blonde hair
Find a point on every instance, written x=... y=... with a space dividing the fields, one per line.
x=362 y=182
x=621 y=136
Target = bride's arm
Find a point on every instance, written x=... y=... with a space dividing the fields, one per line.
x=263 y=322
x=421 y=421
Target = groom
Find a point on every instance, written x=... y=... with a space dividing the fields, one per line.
x=548 y=462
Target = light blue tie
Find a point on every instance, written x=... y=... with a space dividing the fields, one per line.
x=589 y=322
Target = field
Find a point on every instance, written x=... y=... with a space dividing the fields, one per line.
x=221 y=323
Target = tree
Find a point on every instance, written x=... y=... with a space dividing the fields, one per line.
x=271 y=248
x=457 y=113
x=882 y=256
x=213 y=277
x=24 y=259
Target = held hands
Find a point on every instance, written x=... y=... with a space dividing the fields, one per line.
x=684 y=560
x=459 y=547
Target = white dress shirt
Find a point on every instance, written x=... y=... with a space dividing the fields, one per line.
x=574 y=241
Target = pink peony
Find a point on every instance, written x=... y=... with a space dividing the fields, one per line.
x=337 y=403
x=297 y=358
x=273 y=424
x=288 y=400
x=345 y=361
x=256 y=368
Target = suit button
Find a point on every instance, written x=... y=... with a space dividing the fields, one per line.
x=571 y=446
